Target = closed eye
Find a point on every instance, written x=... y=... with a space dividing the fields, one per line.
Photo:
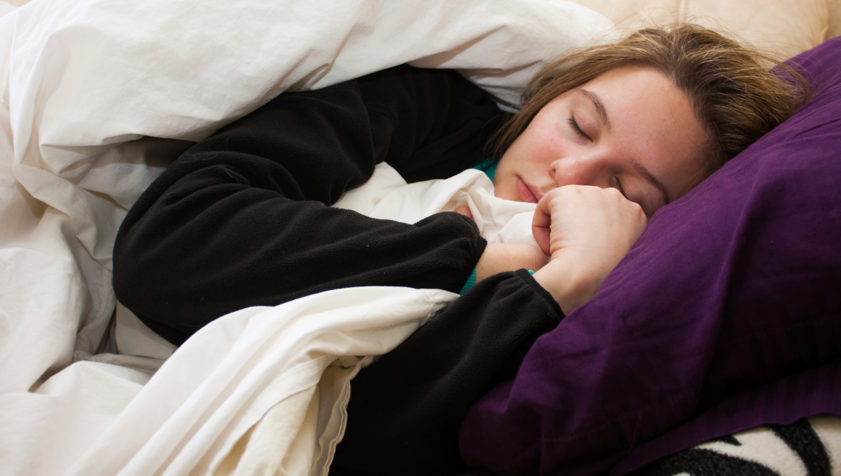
x=575 y=127
x=615 y=183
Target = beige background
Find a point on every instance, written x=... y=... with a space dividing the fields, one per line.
x=778 y=27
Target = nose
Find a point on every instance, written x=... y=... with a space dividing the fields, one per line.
x=580 y=170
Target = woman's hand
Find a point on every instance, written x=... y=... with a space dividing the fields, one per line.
x=586 y=231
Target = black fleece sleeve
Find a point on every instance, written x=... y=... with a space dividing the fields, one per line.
x=406 y=408
x=242 y=218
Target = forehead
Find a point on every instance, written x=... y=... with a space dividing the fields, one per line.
x=651 y=122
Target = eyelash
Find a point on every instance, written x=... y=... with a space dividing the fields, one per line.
x=614 y=182
x=575 y=127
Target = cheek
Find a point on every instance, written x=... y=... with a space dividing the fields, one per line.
x=532 y=152
x=539 y=143
x=516 y=162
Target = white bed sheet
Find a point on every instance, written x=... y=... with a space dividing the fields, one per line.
x=386 y=195
x=97 y=96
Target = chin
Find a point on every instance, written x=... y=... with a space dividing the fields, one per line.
x=506 y=193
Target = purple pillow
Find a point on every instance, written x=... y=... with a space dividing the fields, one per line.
x=725 y=315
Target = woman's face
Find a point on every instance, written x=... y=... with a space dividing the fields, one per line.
x=630 y=128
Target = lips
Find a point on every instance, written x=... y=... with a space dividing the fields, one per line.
x=525 y=192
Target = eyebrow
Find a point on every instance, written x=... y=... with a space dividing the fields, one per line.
x=650 y=178
x=597 y=103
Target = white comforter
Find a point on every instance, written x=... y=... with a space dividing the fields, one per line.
x=97 y=96
x=387 y=195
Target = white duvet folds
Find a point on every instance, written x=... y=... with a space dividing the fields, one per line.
x=97 y=97
x=387 y=195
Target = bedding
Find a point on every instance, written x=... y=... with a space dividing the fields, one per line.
x=94 y=113
x=387 y=195
x=98 y=96
x=811 y=446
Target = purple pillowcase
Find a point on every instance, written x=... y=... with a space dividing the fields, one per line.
x=725 y=315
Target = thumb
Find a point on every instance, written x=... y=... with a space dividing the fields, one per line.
x=541 y=226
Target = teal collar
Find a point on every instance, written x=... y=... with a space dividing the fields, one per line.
x=488 y=166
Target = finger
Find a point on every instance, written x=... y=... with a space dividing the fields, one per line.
x=464 y=210
x=541 y=226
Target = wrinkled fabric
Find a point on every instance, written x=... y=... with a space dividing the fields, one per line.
x=387 y=195
x=98 y=97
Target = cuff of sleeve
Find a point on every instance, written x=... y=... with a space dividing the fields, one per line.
x=526 y=275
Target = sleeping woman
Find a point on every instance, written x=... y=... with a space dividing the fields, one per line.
x=606 y=136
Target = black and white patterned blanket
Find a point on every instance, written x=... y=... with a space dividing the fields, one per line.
x=809 y=447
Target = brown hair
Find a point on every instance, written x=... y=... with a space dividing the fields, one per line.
x=734 y=94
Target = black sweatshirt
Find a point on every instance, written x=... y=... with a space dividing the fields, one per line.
x=242 y=218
